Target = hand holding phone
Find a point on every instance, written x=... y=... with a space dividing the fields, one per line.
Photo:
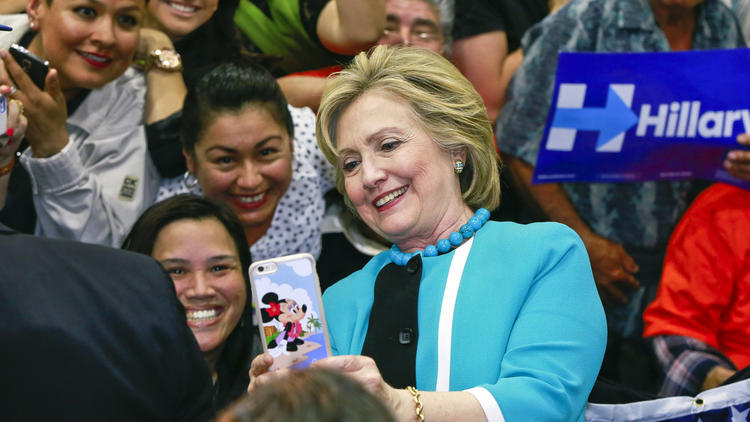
x=35 y=67
x=289 y=307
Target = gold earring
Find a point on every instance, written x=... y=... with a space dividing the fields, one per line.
x=458 y=166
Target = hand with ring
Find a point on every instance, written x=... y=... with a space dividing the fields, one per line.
x=45 y=110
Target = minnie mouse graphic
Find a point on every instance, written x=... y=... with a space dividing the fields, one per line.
x=288 y=313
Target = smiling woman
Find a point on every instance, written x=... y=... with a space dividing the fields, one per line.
x=86 y=172
x=493 y=321
x=200 y=243
x=246 y=148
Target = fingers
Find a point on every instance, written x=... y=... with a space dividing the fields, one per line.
x=628 y=262
x=21 y=79
x=52 y=86
x=613 y=293
x=345 y=363
x=738 y=164
x=267 y=377
x=360 y=368
x=260 y=364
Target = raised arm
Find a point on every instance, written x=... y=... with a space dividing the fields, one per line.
x=480 y=58
x=12 y=6
x=350 y=26
x=166 y=89
x=91 y=174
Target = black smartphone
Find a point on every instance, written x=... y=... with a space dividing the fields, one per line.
x=35 y=67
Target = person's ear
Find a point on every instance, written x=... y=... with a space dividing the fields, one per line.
x=459 y=154
x=189 y=161
x=35 y=10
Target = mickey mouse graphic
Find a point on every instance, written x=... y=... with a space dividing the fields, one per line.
x=288 y=313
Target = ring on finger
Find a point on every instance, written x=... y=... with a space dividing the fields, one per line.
x=18 y=104
x=13 y=90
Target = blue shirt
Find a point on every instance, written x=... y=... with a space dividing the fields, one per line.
x=633 y=214
x=528 y=327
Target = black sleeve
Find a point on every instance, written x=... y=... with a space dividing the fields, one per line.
x=310 y=13
x=473 y=17
x=163 y=138
x=514 y=17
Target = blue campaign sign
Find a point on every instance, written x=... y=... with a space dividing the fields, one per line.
x=625 y=117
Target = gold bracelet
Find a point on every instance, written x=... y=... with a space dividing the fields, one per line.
x=418 y=407
x=7 y=168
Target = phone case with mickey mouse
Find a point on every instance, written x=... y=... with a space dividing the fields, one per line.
x=289 y=308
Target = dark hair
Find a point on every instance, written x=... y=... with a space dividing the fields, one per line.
x=233 y=364
x=228 y=88
x=310 y=395
x=216 y=41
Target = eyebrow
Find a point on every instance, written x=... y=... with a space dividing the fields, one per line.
x=267 y=140
x=213 y=259
x=174 y=261
x=374 y=137
x=425 y=22
x=220 y=258
x=256 y=146
x=392 y=18
x=222 y=148
x=126 y=8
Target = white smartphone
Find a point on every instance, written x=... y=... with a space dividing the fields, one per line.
x=289 y=308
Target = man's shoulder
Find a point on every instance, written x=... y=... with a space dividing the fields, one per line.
x=40 y=254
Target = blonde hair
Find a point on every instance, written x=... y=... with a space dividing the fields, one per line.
x=441 y=98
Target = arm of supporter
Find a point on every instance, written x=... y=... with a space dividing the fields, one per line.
x=480 y=58
x=350 y=26
x=95 y=188
x=166 y=90
x=302 y=91
x=613 y=268
x=520 y=128
x=12 y=6
x=690 y=365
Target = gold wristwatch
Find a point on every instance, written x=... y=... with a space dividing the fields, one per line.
x=164 y=59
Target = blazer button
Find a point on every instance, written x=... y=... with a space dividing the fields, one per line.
x=412 y=266
x=406 y=336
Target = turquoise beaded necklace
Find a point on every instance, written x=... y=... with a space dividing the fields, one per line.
x=455 y=239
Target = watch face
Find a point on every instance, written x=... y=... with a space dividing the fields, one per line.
x=168 y=60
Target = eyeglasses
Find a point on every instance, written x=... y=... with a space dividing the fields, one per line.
x=416 y=36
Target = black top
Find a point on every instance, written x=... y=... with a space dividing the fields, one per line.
x=475 y=17
x=392 y=331
x=94 y=333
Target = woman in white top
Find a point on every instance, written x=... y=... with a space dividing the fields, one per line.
x=87 y=169
x=246 y=147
